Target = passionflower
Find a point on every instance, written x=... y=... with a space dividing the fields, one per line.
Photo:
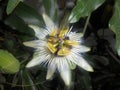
x=59 y=49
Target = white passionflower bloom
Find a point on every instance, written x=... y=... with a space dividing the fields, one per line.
x=59 y=49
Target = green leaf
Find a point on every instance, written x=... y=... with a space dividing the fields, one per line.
x=24 y=31
x=12 y=5
x=18 y=24
x=84 y=8
x=8 y=63
x=50 y=8
x=114 y=24
x=28 y=14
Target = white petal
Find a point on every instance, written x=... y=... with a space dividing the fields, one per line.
x=49 y=23
x=51 y=69
x=36 y=29
x=37 y=60
x=34 y=62
x=77 y=59
x=75 y=36
x=84 y=64
x=39 y=32
x=30 y=43
x=64 y=71
x=71 y=64
x=80 y=49
x=84 y=48
x=39 y=57
x=35 y=43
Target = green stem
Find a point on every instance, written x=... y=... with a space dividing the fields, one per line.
x=86 y=24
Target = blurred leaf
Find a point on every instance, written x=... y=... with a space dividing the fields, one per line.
x=18 y=24
x=27 y=80
x=9 y=43
x=1 y=11
x=101 y=59
x=12 y=5
x=23 y=81
x=2 y=79
x=28 y=14
x=84 y=8
x=39 y=75
x=50 y=8
x=8 y=63
x=114 y=24
x=84 y=80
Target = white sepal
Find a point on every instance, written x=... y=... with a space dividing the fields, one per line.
x=51 y=69
x=64 y=71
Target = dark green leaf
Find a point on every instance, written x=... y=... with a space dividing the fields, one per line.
x=18 y=24
x=84 y=80
x=28 y=14
x=12 y=5
x=114 y=24
x=84 y=8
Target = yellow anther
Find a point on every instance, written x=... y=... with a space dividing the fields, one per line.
x=63 y=32
x=52 y=39
x=63 y=51
x=51 y=47
x=70 y=43
x=54 y=32
x=55 y=44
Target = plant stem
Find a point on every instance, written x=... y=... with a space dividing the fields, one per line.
x=86 y=24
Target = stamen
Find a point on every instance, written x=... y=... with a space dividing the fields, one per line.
x=63 y=32
x=51 y=47
x=63 y=51
x=59 y=44
x=70 y=42
x=54 y=33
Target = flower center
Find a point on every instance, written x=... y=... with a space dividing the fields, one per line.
x=58 y=42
